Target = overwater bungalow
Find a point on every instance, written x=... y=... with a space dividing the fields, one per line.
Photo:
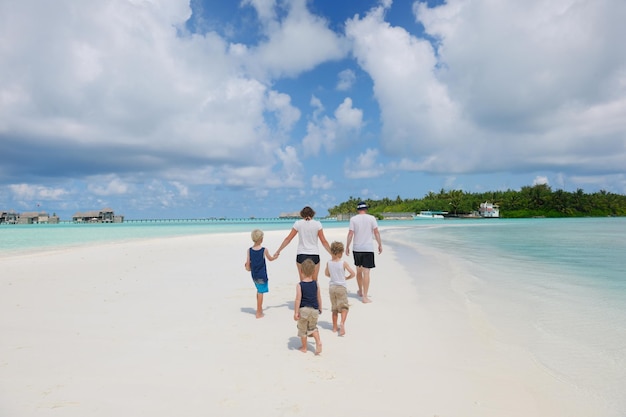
x=105 y=215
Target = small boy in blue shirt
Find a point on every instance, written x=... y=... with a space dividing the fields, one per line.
x=255 y=263
x=308 y=307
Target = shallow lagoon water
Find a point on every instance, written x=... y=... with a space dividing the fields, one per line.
x=553 y=287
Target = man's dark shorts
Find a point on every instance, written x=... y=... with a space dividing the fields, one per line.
x=364 y=259
x=302 y=257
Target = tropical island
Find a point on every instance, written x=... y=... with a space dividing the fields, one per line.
x=531 y=201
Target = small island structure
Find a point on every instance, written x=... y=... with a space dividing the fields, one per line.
x=29 y=217
x=106 y=215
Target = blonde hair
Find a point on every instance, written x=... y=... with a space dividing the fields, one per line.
x=308 y=267
x=256 y=235
x=336 y=248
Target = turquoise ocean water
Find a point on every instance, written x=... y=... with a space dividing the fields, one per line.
x=37 y=237
x=555 y=287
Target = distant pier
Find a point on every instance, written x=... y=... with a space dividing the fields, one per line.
x=213 y=220
x=224 y=220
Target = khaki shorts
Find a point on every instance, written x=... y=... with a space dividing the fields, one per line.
x=338 y=298
x=307 y=324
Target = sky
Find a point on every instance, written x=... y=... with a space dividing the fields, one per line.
x=256 y=108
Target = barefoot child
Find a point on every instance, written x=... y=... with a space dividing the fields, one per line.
x=336 y=269
x=308 y=307
x=255 y=263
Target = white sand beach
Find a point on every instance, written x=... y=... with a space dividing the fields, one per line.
x=166 y=327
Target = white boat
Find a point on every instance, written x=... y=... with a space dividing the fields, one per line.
x=429 y=214
x=489 y=210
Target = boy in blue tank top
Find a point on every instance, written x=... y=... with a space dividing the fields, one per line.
x=308 y=307
x=255 y=263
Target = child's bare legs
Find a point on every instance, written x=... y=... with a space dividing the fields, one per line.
x=335 y=317
x=304 y=344
x=318 y=342
x=259 y=305
x=344 y=316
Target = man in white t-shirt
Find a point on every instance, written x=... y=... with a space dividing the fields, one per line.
x=363 y=229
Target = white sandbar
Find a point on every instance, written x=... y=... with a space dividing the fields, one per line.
x=166 y=327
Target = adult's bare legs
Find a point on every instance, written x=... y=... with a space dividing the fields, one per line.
x=316 y=272
x=299 y=266
x=359 y=280
x=365 y=284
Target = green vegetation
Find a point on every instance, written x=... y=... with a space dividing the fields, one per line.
x=538 y=200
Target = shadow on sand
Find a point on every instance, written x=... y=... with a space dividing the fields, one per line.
x=250 y=310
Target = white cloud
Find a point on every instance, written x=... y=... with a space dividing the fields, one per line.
x=449 y=183
x=348 y=118
x=286 y=113
x=243 y=177
x=417 y=113
x=118 y=79
x=331 y=133
x=321 y=182
x=183 y=190
x=510 y=87
x=347 y=78
x=31 y=192
x=264 y=8
x=364 y=166
x=318 y=107
x=540 y=180
x=615 y=182
x=292 y=168
x=158 y=193
x=108 y=185
x=296 y=43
